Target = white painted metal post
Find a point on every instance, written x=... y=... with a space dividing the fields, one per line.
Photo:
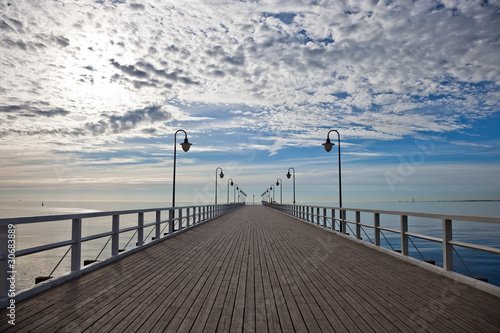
x=188 y=216
x=324 y=217
x=404 y=236
x=115 y=237
x=158 y=226
x=358 y=226
x=376 y=230
x=343 y=223
x=308 y=218
x=180 y=219
x=140 y=231
x=4 y=266
x=333 y=219
x=447 y=248
x=76 y=247
x=171 y=221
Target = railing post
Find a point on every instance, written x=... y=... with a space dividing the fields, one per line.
x=140 y=231
x=158 y=226
x=204 y=213
x=317 y=215
x=115 y=237
x=76 y=247
x=333 y=219
x=307 y=214
x=404 y=236
x=342 y=222
x=171 y=221
x=188 y=216
x=447 y=248
x=324 y=217
x=358 y=226
x=4 y=265
x=180 y=219
x=376 y=230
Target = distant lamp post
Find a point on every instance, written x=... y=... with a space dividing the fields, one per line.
x=278 y=183
x=273 y=197
x=288 y=175
x=328 y=146
x=185 y=146
x=230 y=179
x=234 y=192
x=221 y=176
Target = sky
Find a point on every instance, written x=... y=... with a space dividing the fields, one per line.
x=92 y=92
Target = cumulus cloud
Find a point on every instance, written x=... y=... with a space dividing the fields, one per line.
x=375 y=69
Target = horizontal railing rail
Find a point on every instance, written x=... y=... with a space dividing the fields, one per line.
x=326 y=217
x=179 y=218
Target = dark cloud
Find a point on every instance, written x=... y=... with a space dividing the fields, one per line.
x=32 y=111
x=5 y=26
x=137 y=6
x=51 y=39
x=129 y=120
x=22 y=45
x=51 y=113
x=129 y=69
x=173 y=76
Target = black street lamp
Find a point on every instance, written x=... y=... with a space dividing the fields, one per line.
x=230 y=179
x=185 y=146
x=221 y=176
x=278 y=182
x=288 y=175
x=273 y=197
x=234 y=192
x=328 y=146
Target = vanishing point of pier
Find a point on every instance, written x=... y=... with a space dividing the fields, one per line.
x=255 y=269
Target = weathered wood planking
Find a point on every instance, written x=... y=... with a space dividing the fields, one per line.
x=256 y=269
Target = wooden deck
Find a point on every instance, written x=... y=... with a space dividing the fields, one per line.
x=258 y=270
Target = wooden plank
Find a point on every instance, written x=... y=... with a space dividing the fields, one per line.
x=258 y=270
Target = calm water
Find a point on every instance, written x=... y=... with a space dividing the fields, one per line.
x=28 y=267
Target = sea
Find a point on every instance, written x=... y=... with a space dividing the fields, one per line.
x=57 y=261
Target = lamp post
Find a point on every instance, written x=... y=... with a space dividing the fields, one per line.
x=278 y=182
x=288 y=175
x=234 y=192
x=221 y=176
x=230 y=179
x=185 y=146
x=273 y=197
x=328 y=146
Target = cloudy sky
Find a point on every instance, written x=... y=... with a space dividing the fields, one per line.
x=92 y=92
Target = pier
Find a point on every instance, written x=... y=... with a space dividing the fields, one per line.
x=256 y=269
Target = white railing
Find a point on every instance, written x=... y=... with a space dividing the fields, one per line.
x=179 y=219
x=326 y=217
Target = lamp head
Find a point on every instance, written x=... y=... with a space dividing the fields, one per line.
x=277 y=183
x=328 y=145
x=186 y=145
x=221 y=174
x=288 y=175
x=232 y=183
